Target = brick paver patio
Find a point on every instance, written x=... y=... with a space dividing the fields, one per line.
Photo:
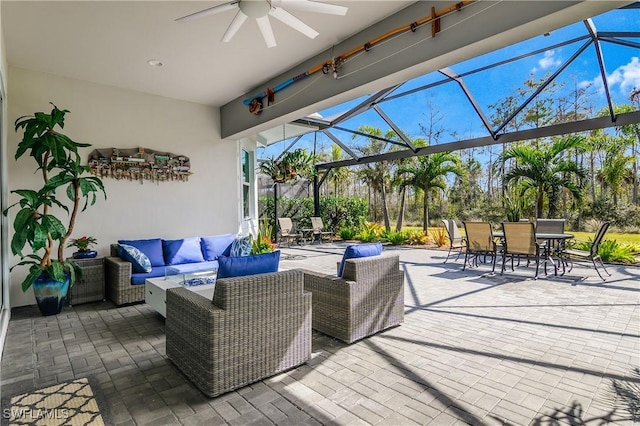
x=474 y=349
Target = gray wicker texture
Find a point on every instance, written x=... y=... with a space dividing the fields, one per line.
x=90 y=287
x=257 y=326
x=368 y=298
x=118 y=280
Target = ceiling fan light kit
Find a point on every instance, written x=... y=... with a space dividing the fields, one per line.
x=260 y=11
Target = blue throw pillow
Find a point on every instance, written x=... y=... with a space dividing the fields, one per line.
x=248 y=265
x=216 y=245
x=186 y=250
x=138 y=259
x=359 y=250
x=241 y=246
x=152 y=248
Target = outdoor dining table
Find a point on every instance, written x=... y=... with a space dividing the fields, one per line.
x=548 y=238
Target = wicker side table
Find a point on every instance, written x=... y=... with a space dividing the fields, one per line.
x=89 y=288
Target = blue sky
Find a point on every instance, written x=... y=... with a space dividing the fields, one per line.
x=448 y=108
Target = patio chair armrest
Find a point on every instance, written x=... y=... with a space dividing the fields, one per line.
x=117 y=273
x=191 y=315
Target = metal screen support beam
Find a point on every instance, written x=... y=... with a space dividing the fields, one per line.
x=338 y=142
x=603 y=73
x=367 y=135
x=455 y=77
x=543 y=86
x=316 y=196
x=614 y=40
x=371 y=100
x=521 y=135
x=395 y=128
x=288 y=148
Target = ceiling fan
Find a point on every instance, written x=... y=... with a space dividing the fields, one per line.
x=261 y=9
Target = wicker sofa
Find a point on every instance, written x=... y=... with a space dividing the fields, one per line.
x=255 y=327
x=125 y=285
x=368 y=298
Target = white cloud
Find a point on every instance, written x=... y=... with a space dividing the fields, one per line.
x=548 y=60
x=625 y=76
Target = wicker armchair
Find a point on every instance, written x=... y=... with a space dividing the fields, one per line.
x=117 y=276
x=257 y=326
x=367 y=299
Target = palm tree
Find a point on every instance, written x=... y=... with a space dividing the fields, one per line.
x=338 y=175
x=377 y=174
x=545 y=171
x=428 y=174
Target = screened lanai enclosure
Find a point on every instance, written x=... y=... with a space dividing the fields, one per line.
x=578 y=82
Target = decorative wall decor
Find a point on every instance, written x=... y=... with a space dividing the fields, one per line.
x=138 y=164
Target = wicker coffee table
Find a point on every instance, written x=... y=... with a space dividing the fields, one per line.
x=156 y=291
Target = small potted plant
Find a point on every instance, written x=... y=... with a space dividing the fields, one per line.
x=83 y=244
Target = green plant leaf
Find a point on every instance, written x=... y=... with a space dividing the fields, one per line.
x=18 y=241
x=34 y=273
x=57 y=271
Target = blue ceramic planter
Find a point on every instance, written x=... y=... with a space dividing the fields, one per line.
x=50 y=294
x=85 y=254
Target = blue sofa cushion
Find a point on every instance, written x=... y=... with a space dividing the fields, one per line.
x=229 y=266
x=139 y=278
x=186 y=250
x=241 y=246
x=359 y=250
x=152 y=248
x=216 y=245
x=139 y=261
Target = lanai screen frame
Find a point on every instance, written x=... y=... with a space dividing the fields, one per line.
x=496 y=135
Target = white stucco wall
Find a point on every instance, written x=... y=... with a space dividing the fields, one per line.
x=105 y=116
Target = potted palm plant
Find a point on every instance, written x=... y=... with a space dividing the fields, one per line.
x=34 y=224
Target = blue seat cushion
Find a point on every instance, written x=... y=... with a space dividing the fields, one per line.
x=359 y=250
x=229 y=266
x=185 y=250
x=152 y=248
x=216 y=245
x=139 y=261
x=138 y=278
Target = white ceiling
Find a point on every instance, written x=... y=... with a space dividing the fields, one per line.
x=110 y=42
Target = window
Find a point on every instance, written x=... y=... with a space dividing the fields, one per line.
x=247 y=161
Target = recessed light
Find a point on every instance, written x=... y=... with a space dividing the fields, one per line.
x=155 y=63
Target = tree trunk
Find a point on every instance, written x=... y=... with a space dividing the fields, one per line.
x=403 y=192
x=539 y=202
x=425 y=212
x=385 y=210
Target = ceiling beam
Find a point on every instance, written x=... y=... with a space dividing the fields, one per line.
x=480 y=27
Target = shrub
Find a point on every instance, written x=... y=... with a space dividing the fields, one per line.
x=439 y=236
x=417 y=238
x=394 y=237
x=347 y=233
x=612 y=251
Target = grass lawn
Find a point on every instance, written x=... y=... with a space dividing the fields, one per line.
x=621 y=238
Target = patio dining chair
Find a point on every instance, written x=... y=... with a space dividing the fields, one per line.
x=318 y=229
x=520 y=241
x=456 y=240
x=287 y=231
x=592 y=254
x=479 y=242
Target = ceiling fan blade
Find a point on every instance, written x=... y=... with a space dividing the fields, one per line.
x=235 y=25
x=287 y=18
x=210 y=11
x=266 y=30
x=313 y=6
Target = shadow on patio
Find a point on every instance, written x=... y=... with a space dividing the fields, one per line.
x=473 y=349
